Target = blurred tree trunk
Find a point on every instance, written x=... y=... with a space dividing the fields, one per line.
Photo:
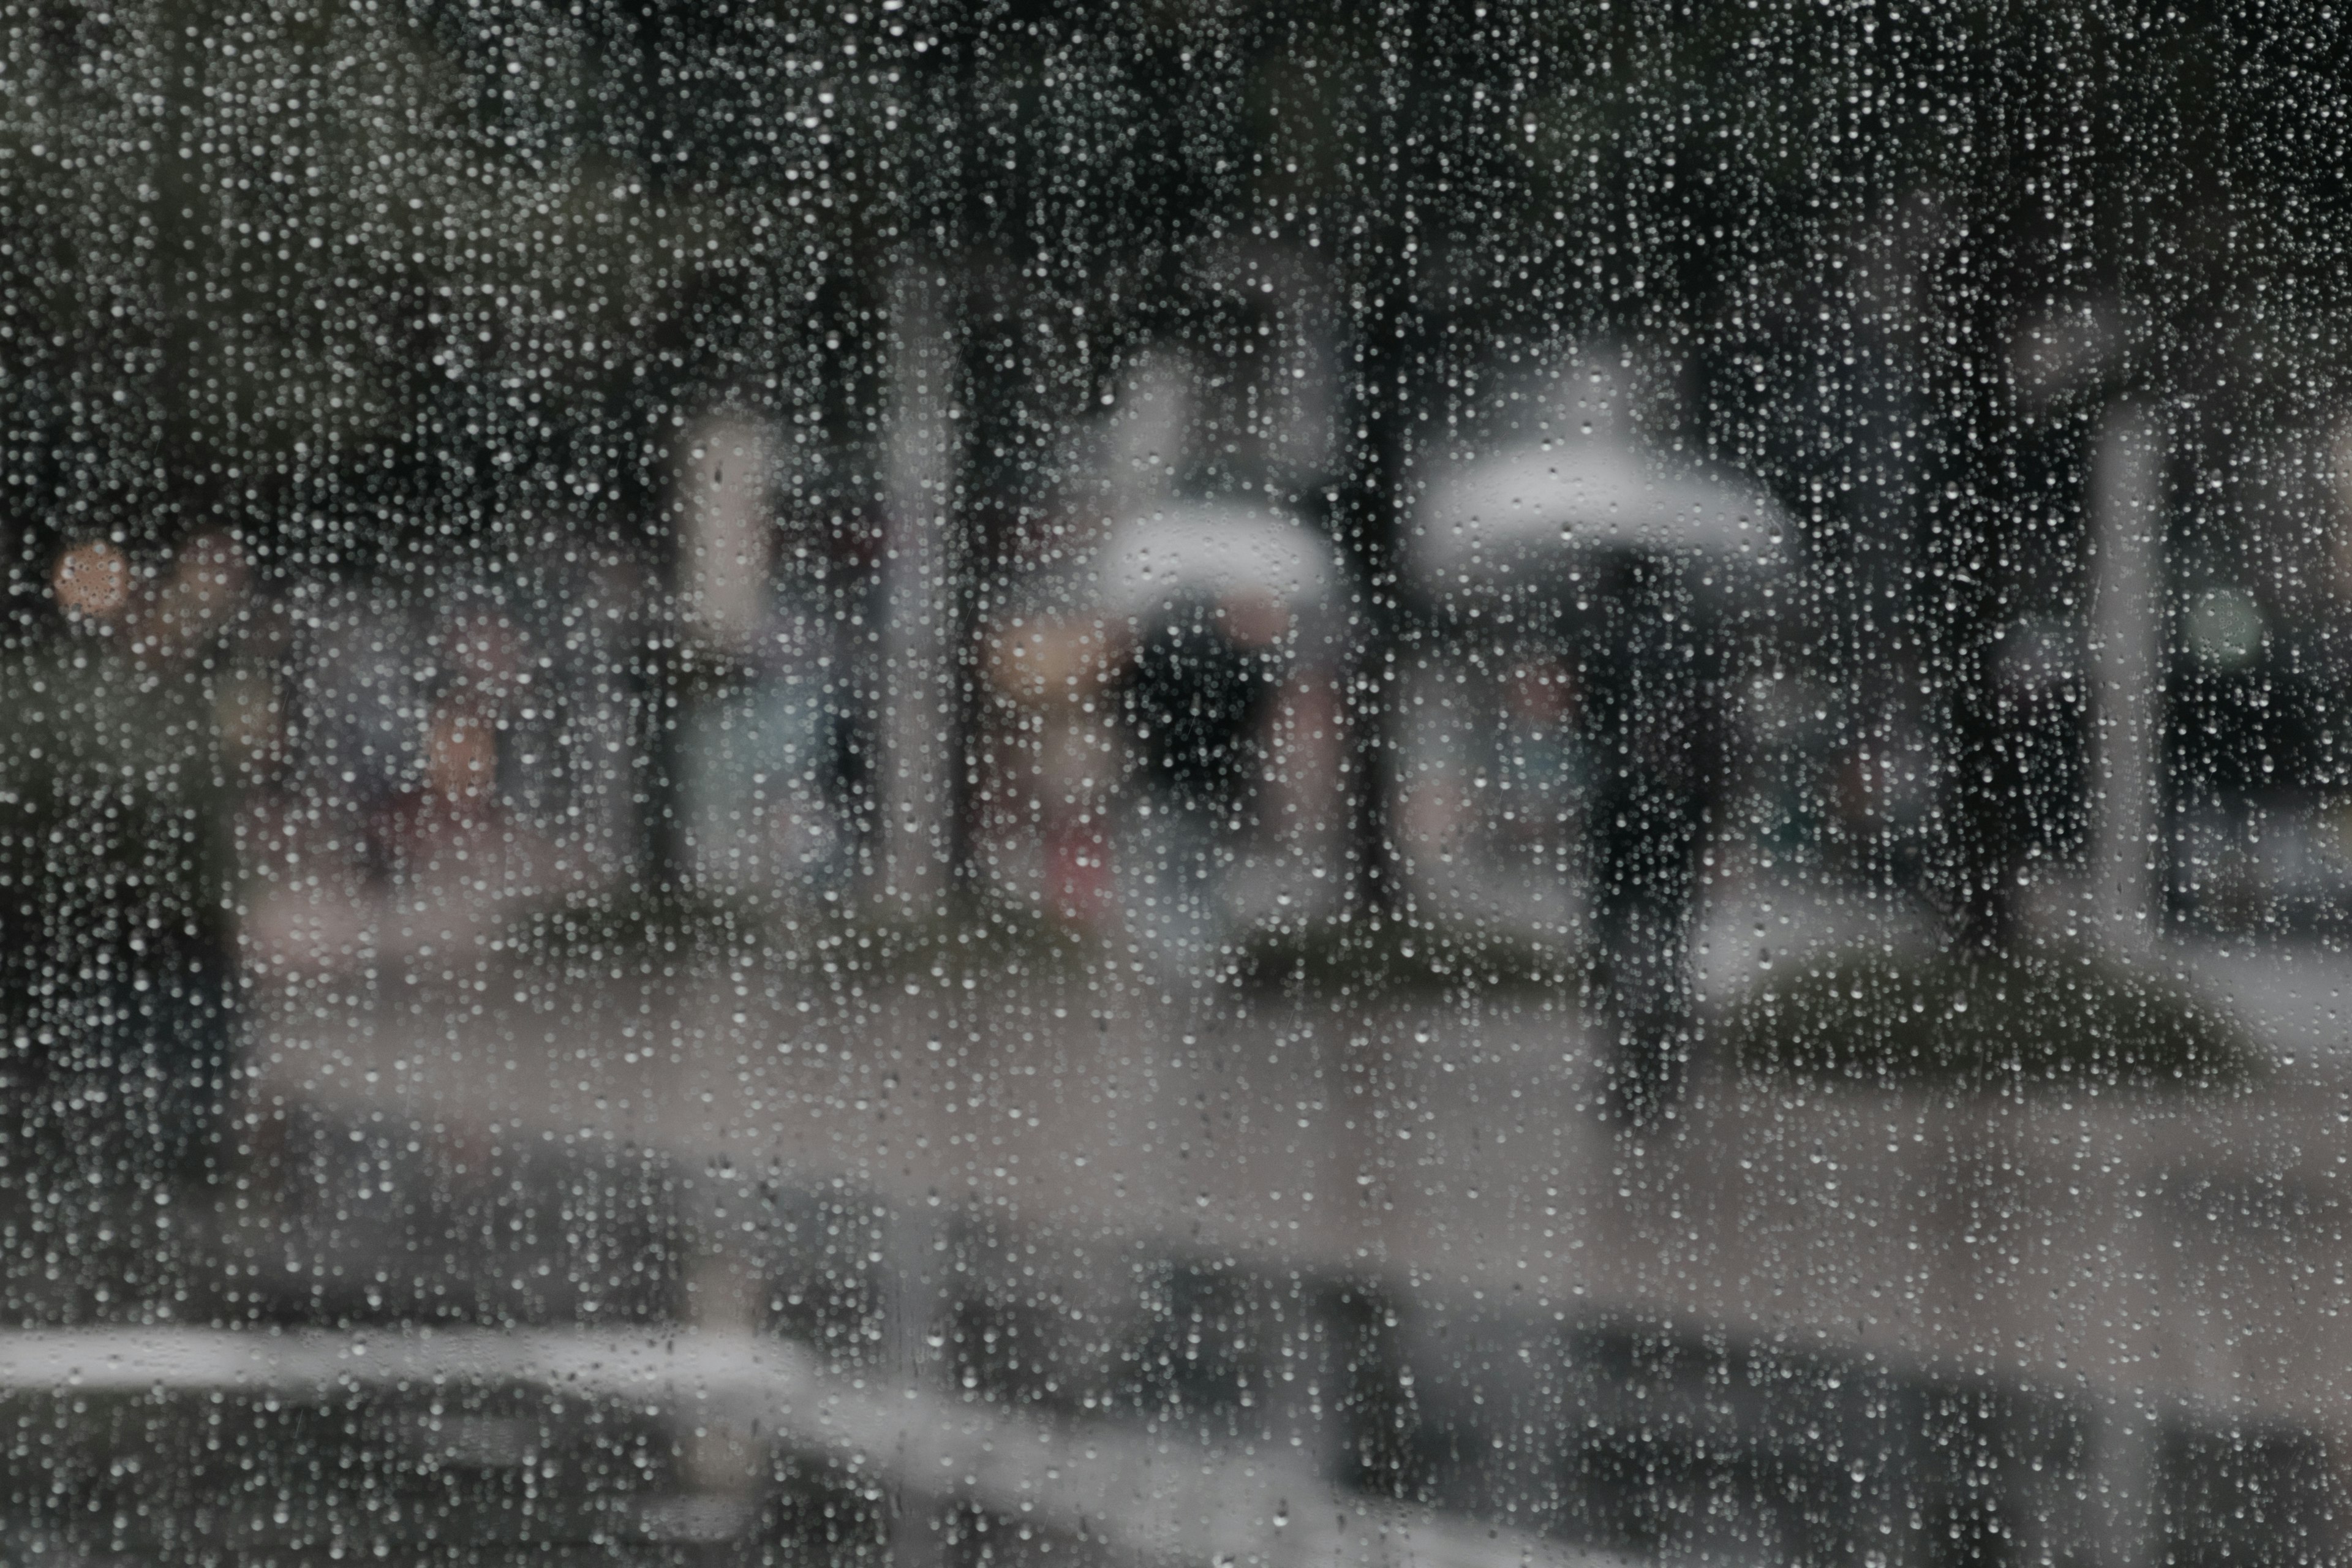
x=1385 y=355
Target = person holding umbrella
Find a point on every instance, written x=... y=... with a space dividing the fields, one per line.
x=1631 y=563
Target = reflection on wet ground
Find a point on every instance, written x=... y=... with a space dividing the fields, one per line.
x=694 y=1245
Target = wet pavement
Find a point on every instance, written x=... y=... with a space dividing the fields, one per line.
x=1446 y=1146
x=1137 y=1241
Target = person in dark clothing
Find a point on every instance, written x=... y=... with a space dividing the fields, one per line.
x=1196 y=695
x=117 y=973
x=1197 y=692
x=1655 y=716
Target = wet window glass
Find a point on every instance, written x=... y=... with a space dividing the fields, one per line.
x=1461 y=783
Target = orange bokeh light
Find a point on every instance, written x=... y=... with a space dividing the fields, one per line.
x=93 y=579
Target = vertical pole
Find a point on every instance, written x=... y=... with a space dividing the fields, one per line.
x=2126 y=649
x=915 y=1302
x=918 y=720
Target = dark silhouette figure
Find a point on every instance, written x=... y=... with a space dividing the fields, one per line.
x=1651 y=666
x=1197 y=692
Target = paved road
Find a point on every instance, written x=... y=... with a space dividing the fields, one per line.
x=1449 y=1147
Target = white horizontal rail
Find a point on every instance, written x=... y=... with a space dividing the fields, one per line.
x=1156 y=1496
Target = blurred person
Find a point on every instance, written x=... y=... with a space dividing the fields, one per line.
x=1538 y=757
x=457 y=787
x=1489 y=790
x=461 y=761
x=773 y=750
x=772 y=764
x=1198 y=681
x=1176 y=746
x=1150 y=752
x=1198 y=693
x=465 y=760
x=1647 y=557
x=1654 y=715
x=1057 y=672
x=117 y=971
x=351 y=733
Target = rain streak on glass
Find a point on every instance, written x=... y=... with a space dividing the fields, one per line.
x=1441 y=784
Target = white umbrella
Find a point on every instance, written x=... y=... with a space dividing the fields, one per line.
x=1520 y=512
x=1220 y=549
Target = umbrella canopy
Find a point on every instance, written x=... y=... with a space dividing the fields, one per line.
x=1520 y=513
x=1220 y=549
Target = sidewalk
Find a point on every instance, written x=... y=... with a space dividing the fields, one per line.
x=1448 y=1146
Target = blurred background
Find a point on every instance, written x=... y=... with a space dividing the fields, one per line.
x=967 y=781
